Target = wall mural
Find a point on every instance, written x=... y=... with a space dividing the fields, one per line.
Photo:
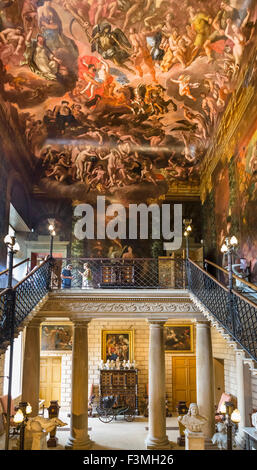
x=119 y=97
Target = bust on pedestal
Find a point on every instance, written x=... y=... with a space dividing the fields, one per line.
x=193 y=423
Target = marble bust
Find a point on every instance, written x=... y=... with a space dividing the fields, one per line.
x=193 y=421
x=254 y=420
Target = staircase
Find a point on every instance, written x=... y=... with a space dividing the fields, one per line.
x=233 y=315
x=19 y=304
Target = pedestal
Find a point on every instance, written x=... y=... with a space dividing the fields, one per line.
x=194 y=440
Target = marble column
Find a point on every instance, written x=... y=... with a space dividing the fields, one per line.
x=79 y=438
x=205 y=376
x=31 y=366
x=244 y=405
x=157 y=438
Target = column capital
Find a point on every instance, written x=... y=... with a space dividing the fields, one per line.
x=157 y=322
x=35 y=322
x=203 y=323
x=79 y=321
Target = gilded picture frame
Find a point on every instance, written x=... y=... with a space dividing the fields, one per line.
x=118 y=344
x=178 y=338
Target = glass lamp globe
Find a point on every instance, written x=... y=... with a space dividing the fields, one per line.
x=8 y=240
x=233 y=241
x=18 y=417
x=224 y=248
x=235 y=416
x=28 y=409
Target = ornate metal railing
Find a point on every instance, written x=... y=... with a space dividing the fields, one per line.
x=4 y=273
x=236 y=313
x=18 y=302
x=117 y=273
x=240 y=283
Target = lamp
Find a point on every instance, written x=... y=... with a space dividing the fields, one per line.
x=232 y=417
x=227 y=249
x=12 y=248
x=188 y=228
x=21 y=418
x=235 y=416
x=51 y=228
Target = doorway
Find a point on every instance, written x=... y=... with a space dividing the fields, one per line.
x=219 y=383
x=50 y=379
x=183 y=380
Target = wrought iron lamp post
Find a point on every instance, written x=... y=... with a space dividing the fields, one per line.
x=52 y=232
x=12 y=248
x=227 y=249
x=21 y=418
x=232 y=417
x=187 y=231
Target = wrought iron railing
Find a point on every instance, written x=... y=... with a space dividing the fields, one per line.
x=241 y=283
x=18 y=302
x=117 y=273
x=4 y=273
x=236 y=313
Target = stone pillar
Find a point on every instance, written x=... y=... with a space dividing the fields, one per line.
x=31 y=366
x=243 y=378
x=157 y=438
x=79 y=438
x=204 y=376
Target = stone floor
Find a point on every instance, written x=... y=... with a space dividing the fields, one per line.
x=116 y=435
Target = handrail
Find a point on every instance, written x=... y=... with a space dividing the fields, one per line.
x=15 y=266
x=208 y=274
x=31 y=272
x=235 y=312
x=249 y=284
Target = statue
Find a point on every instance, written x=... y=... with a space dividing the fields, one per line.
x=254 y=420
x=220 y=437
x=39 y=428
x=193 y=421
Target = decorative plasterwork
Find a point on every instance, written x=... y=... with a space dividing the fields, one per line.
x=122 y=306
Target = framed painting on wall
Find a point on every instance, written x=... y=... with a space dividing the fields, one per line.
x=56 y=337
x=178 y=338
x=117 y=344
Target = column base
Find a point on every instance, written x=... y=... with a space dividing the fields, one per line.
x=155 y=443
x=78 y=444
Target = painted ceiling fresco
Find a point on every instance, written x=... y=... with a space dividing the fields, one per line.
x=120 y=97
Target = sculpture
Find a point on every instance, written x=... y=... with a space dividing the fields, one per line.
x=220 y=437
x=193 y=421
x=40 y=427
x=254 y=420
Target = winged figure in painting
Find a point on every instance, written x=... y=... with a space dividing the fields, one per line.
x=111 y=44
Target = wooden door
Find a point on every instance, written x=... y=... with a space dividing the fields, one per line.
x=219 y=382
x=50 y=379
x=183 y=380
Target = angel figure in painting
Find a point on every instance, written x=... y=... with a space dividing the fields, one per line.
x=111 y=44
x=184 y=86
x=235 y=33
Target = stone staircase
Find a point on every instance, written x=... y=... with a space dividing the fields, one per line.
x=230 y=341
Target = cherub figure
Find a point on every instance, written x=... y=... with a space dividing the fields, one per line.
x=185 y=85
